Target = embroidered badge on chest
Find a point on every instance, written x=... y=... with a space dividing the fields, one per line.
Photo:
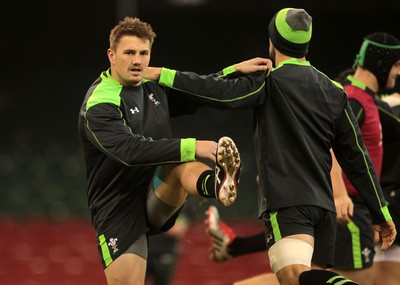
x=134 y=110
x=153 y=100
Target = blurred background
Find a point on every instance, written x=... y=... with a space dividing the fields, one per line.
x=53 y=50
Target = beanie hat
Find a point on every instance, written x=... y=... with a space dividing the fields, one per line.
x=378 y=53
x=290 y=31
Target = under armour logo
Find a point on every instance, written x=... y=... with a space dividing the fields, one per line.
x=269 y=238
x=134 y=111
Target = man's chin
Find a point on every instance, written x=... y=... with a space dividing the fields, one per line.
x=135 y=80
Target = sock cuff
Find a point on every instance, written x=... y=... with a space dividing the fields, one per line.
x=319 y=277
x=205 y=184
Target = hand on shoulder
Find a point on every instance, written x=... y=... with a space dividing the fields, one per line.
x=254 y=65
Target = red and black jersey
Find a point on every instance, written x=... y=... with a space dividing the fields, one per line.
x=363 y=102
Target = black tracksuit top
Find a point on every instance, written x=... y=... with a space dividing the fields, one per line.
x=125 y=133
x=299 y=115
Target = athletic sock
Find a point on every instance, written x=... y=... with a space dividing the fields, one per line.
x=322 y=277
x=246 y=245
x=206 y=184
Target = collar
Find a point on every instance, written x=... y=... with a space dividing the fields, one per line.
x=106 y=76
x=354 y=82
x=295 y=61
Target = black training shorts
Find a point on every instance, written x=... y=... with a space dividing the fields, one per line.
x=355 y=241
x=311 y=220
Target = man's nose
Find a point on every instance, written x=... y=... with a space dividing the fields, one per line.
x=136 y=59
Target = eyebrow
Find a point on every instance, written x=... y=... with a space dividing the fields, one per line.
x=135 y=50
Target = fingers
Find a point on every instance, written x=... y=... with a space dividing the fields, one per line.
x=386 y=243
x=206 y=149
x=376 y=237
x=343 y=214
x=263 y=63
x=339 y=215
x=211 y=156
x=261 y=60
x=343 y=220
x=351 y=210
x=254 y=65
x=387 y=233
x=344 y=209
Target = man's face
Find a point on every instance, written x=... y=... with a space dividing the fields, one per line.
x=129 y=60
x=394 y=72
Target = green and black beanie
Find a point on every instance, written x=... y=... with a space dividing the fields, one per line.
x=378 y=53
x=290 y=32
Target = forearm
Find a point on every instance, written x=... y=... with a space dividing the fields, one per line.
x=110 y=134
x=354 y=159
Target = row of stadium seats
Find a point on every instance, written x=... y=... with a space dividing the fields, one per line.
x=39 y=251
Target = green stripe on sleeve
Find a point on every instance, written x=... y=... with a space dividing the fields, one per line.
x=188 y=149
x=167 y=77
x=359 y=114
x=356 y=244
x=389 y=114
x=386 y=214
x=383 y=208
x=229 y=70
x=105 y=252
x=275 y=225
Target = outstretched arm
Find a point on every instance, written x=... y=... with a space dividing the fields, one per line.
x=246 y=67
x=357 y=164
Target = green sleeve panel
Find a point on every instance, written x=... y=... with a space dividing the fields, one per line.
x=228 y=70
x=167 y=77
x=188 y=149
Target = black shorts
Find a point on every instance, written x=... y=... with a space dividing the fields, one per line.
x=355 y=241
x=311 y=220
x=121 y=236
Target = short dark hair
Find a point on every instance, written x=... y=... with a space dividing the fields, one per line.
x=131 y=27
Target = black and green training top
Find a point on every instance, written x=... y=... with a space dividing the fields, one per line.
x=299 y=115
x=125 y=133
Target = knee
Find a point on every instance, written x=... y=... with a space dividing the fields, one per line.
x=290 y=253
x=290 y=275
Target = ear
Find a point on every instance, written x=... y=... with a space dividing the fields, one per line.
x=111 y=56
x=271 y=45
